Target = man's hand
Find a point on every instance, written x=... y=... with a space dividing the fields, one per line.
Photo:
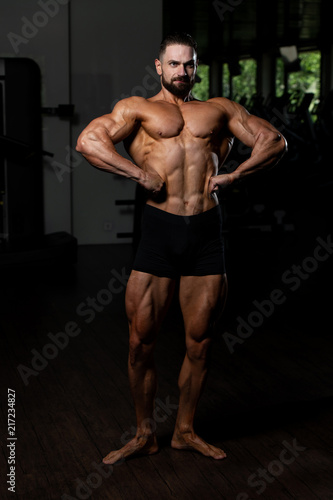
x=153 y=183
x=219 y=181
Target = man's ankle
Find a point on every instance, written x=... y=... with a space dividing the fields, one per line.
x=184 y=428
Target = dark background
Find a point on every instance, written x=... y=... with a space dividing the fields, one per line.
x=271 y=376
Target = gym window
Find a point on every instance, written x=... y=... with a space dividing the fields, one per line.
x=305 y=80
x=201 y=89
x=239 y=79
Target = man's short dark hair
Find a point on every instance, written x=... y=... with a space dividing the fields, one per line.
x=177 y=38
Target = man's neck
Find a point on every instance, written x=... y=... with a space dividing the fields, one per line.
x=173 y=99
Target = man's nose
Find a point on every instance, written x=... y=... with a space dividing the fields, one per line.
x=182 y=70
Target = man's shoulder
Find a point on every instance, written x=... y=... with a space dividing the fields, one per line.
x=130 y=102
x=130 y=108
x=222 y=102
x=227 y=106
x=137 y=104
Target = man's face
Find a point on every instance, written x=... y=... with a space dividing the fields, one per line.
x=178 y=66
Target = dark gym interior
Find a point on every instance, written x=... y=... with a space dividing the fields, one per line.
x=69 y=233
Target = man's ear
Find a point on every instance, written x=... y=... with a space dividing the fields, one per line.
x=158 y=66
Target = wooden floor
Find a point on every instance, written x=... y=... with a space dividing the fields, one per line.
x=269 y=403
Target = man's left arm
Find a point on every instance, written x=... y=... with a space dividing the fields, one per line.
x=267 y=143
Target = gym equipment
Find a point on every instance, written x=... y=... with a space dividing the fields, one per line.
x=22 y=239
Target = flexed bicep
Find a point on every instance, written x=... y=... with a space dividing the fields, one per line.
x=113 y=127
x=97 y=141
x=247 y=127
x=267 y=143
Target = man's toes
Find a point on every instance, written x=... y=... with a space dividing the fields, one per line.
x=112 y=457
x=217 y=453
x=107 y=460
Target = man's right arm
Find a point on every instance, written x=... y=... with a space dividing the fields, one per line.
x=97 y=144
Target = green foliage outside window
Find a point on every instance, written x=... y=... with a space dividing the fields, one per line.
x=305 y=81
x=201 y=90
x=245 y=84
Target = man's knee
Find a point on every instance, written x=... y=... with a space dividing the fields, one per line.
x=198 y=350
x=140 y=348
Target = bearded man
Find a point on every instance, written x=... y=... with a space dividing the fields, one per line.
x=177 y=145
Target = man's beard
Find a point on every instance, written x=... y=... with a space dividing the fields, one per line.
x=179 y=90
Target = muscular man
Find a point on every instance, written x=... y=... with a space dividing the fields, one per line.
x=177 y=145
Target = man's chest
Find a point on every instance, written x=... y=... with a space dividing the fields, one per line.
x=196 y=119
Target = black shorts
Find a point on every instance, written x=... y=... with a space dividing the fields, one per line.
x=176 y=245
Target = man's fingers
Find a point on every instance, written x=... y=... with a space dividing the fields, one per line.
x=213 y=186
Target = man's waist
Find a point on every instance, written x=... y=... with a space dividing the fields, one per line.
x=192 y=205
x=165 y=214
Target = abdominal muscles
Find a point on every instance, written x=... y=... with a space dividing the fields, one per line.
x=186 y=167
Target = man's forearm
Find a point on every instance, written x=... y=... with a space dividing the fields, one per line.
x=117 y=164
x=265 y=154
x=104 y=156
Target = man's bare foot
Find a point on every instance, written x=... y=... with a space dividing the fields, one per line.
x=191 y=441
x=142 y=445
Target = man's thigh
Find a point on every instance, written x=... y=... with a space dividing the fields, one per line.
x=147 y=300
x=202 y=300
